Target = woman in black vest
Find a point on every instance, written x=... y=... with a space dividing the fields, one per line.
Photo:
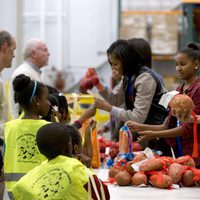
x=140 y=88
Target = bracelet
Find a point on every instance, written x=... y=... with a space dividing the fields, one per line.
x=78 y=123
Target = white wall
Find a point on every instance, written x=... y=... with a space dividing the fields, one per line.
x=92 y=29
x=8 y=15
x=8 y=21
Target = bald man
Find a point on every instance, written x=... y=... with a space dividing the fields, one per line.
x=36 y=56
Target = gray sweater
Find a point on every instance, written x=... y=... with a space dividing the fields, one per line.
x=145 y=86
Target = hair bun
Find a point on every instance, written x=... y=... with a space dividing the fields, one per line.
x=20 y=82
x=193 y=46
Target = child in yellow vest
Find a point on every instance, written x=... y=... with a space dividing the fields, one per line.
x=81 y=150
x=21 y=151
x=60 y=177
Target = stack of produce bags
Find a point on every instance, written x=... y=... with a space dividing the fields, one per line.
x=161 y=172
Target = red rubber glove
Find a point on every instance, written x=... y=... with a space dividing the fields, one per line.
x=90 y=80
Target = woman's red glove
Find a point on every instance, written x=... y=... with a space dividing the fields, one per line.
x=90 y=80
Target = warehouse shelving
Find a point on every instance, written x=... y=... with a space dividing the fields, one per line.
x=128 y=12
x=187 y=25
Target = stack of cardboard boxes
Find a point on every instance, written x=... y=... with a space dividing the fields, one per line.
x=133 y=26
x=164 y=34
x=161 y=30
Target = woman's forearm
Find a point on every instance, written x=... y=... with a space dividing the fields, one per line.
x=146 y=127
x=174 y=132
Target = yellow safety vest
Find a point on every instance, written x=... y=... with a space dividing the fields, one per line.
x=21 y=151
x=62 y=178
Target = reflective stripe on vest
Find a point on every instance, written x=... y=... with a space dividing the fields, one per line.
x=13 y=176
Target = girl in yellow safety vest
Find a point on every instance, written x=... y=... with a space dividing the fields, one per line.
x=21 y=151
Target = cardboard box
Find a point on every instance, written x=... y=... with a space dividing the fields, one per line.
x=133 y=26
x=164 y=34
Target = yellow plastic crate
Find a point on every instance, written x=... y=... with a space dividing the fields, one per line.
x=82 y=102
